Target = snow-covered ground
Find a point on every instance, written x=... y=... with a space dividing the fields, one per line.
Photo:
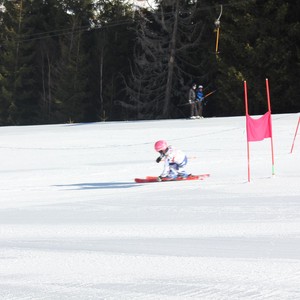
x=74 y=225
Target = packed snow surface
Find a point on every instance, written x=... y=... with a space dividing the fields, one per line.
x=75 y=225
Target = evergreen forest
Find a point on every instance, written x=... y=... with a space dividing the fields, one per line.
x=110 y=60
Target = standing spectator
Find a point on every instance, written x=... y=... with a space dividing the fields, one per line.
x=192 y=99
x=199 y=100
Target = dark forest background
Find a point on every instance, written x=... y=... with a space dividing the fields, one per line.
x=83 y=60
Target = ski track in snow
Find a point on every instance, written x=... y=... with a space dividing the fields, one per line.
x=74 y=225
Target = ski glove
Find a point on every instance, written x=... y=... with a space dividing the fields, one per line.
x=158 y=159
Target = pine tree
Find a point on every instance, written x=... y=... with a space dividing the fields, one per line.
x=17 y=76
x=168 y=58
x=259 y=40
x=112 y=42
x=70 y=87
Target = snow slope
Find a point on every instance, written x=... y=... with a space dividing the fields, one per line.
x=74 y=225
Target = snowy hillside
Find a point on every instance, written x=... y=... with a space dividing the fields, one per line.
x=74 y=225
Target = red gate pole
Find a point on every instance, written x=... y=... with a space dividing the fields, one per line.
x=295 y=135
x=248 y=148
x=269 y=108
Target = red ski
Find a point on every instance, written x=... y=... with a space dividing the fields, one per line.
x=154 y=178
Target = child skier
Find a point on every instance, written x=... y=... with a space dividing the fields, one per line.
x=175 y=161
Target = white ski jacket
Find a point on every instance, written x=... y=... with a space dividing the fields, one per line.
x=175 y=157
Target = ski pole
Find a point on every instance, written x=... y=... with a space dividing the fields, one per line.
x=209 y=94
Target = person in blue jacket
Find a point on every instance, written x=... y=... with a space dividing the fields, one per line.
x=199 y=100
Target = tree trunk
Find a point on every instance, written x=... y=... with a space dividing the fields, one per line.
x=167 y=101
x=49 y=87
x=102 y=112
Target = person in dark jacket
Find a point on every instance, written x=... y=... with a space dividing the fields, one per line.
x=192 y=99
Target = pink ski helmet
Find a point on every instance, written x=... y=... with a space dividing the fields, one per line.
x=160 y=145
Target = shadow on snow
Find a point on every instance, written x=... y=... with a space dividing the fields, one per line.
x=98 y=185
